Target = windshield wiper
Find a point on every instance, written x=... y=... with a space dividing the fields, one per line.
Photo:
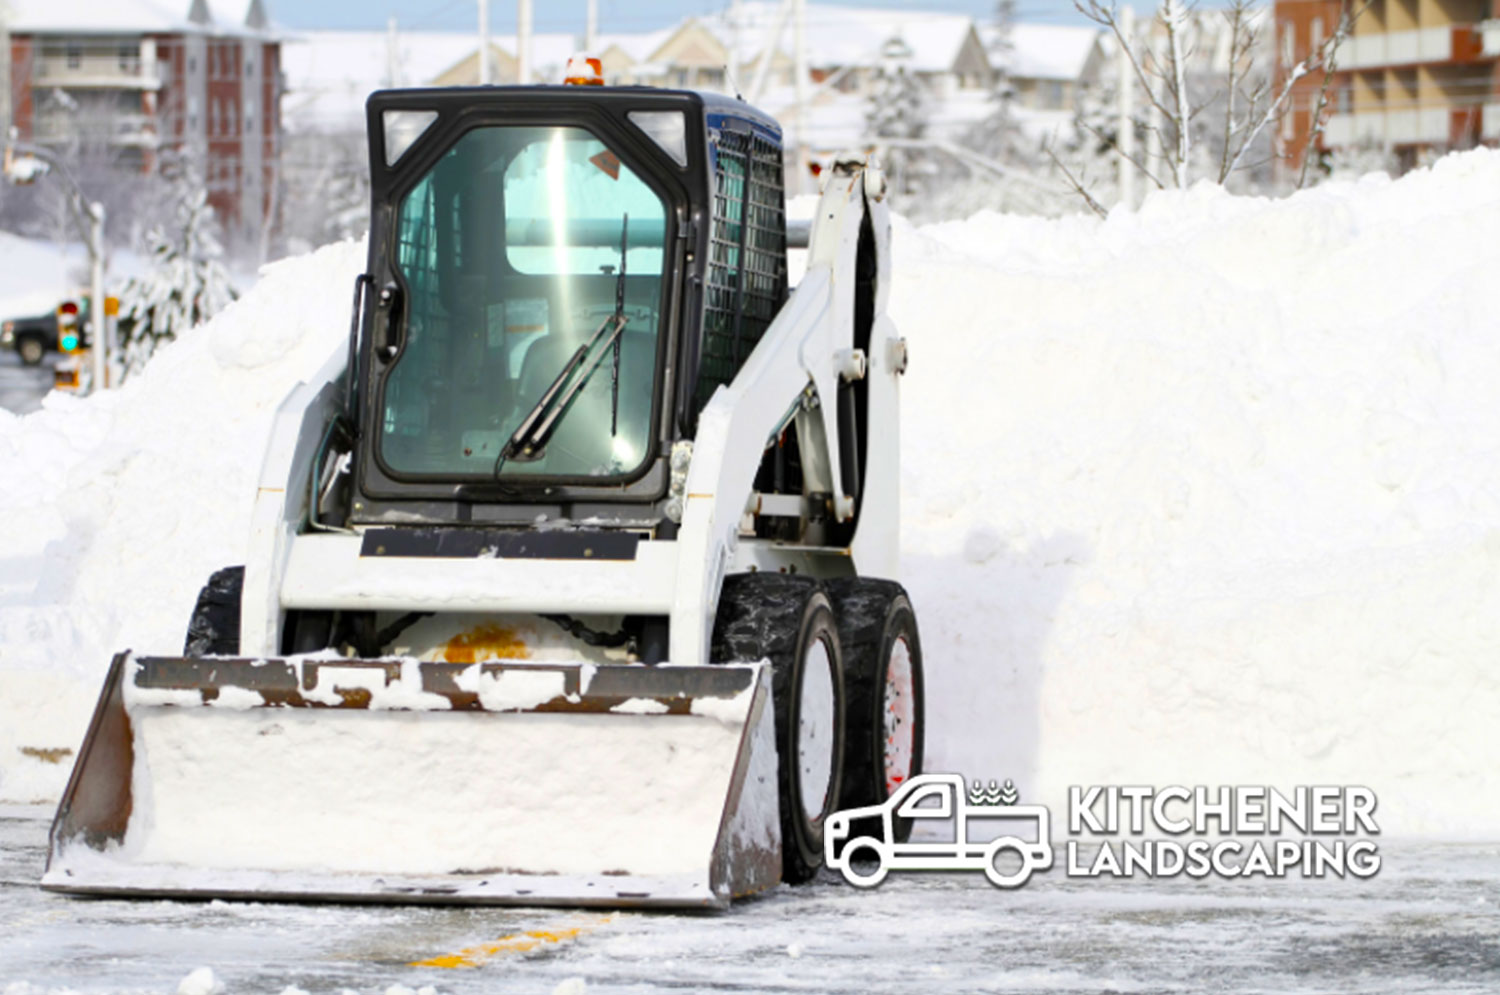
x=529 y=440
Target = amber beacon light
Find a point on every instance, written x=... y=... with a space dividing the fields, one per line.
x=584 y=70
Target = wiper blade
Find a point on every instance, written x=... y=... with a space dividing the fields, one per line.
x=527 y=442
x=530 y=437
x=532 y=447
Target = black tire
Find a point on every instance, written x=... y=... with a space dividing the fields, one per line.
x=31 y=349
x=779 y=617
x=214 y=629
x=873 y=616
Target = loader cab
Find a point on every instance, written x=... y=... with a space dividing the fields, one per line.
x=558 y=279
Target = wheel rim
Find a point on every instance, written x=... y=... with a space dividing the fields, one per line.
x=898 y=715
x=815 y=730
x=30 y=351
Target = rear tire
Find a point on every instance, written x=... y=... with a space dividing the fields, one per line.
x=883 y=679
x=31 y=350
x=789 y=620
x=214 y=629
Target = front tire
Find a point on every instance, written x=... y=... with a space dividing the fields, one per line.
x=788 y=620
x=214 y=629
x=883 y=675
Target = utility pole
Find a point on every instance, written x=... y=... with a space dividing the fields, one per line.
x=523 y=42
x=591 y=28
x=799 y=119
x=768 y=50
x=101 y=346
x=484 y=43
x=392 y=55
x=1125 y=123
x=732 y=70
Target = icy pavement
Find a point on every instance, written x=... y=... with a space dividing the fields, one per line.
x=1430 y=922
x=23 y=387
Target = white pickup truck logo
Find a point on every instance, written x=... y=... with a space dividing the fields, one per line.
x=952 y=832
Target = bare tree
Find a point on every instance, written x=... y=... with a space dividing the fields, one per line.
x=1329 y=52
x=1208 y=119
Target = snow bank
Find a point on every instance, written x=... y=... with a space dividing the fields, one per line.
x=1203 y=493
x=117 y=508
x=1210 y=493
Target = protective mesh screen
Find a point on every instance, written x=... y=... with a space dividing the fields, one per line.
x=746 y=282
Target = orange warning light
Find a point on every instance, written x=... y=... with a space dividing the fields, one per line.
x=584 y=70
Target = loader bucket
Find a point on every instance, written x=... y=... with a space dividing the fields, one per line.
x=395 y=780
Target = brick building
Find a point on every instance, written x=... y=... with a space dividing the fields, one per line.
x=137 y=77
x=1414 y=77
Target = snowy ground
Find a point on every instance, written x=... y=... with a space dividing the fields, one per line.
x=1427 y=923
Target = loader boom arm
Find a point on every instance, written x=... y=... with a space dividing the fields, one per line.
x=797 y=362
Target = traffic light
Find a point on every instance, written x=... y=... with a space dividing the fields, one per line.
x=69 y=334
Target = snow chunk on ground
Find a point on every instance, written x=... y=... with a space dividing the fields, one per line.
x=200 y=982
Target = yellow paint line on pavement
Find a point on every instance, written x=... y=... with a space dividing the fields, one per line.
x=515 y=943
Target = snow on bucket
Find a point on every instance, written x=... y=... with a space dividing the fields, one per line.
x=396 y=780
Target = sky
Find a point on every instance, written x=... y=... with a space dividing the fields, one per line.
x=568 y=15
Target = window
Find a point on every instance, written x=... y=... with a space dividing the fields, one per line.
x=1288 y=44
x=746 y=282
x=935 y=801
x=511 y=251
x=1317 y=34
x=74 y=55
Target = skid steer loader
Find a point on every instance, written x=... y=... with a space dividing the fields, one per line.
x=569 y=580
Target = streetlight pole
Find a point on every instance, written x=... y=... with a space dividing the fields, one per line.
x=101 y=346
x=23 y=164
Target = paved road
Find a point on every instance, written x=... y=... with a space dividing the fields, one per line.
x=1430 y=922
x=23 y=387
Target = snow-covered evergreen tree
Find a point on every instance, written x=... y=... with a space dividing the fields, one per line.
x=994 y=136
x=187 y=284
x=895 y=110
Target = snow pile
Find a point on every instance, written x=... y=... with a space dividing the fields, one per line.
x=1210 y=493
x=118 y=508
x=1203 y=493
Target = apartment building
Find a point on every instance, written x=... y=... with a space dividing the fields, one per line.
x=1414 y=77
x=134 y=78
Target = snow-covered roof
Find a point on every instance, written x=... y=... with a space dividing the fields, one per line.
x=839 y=36
x=640 y=46
x=1047 y=51
x=329 y=74
x=86 y=17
